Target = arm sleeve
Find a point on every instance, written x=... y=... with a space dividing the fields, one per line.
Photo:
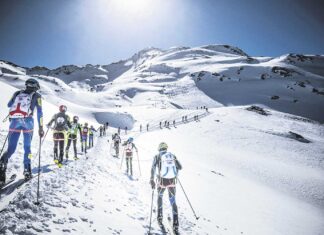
x=12 y=100
x=39 y=109
x=135 y=147
x=178 y=165
x=52 y=120
x=153 y=168
x=79 y=127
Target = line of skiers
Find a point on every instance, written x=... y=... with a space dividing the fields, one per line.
x=21 y=109
x=164 y=172
x=103 y=129
x=62 y=128
x=21 y=106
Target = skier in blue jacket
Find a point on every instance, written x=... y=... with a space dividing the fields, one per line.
x=21 y=109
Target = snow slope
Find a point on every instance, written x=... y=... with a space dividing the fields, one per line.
x=245 y=173
x=237 y=181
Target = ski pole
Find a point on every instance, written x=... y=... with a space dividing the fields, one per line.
x=6 y=118
x=42 y=141
x=121 y=164
x=188 y=200
x=149 y=232
x=39 y=169
x=4 y=144
x=139 y=167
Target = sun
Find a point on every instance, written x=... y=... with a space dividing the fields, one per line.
x=132 y=6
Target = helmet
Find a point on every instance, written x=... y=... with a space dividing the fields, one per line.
x=162 y=146
x=85 y=124
x=75 y=118
x=63 y=108
x=130 y=139
x=32 y=84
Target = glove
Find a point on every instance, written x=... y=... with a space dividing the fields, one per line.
x=41 y=132
x=152 y=183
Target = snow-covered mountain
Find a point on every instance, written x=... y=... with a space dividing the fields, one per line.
x=217 y=75
x=246 y=169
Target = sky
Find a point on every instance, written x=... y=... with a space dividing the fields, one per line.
x=54 y=33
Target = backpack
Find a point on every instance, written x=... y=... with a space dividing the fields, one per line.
x=168 y=167
x=85 y=130
x=60 y=121
x=21 y=106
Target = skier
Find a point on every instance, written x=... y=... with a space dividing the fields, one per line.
x=61 y=125
x=72 y=136
x=129 y=147
x=116 y=142
x=21 y=108
x=104 y=130
x=147 y=127
x=84 y=137
x=91 y=130
x=160 y=125
x=100 y=131
x=141 y=128
x=168 y=166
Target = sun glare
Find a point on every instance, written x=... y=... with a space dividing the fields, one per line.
x=132 y=6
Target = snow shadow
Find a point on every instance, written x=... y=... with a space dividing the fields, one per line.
x=116 y=120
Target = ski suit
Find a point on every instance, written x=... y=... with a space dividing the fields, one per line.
x=72 y=136
x=117 y=141
x=22 y=105
x=84 y=138
x=91 y=130
x=129 y=148
x=168 y=166
x=61 y=125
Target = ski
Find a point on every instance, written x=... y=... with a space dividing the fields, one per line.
x=11 y=179
x=162 y=228
x=15 y=185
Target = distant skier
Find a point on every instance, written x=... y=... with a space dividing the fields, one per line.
x=61 y=125
x=101 y=131
x=72 y=136
x=21 y=109
x=129 y=148
x=104 y=130
x=84 y=137
x=174 y=123
x=141 y=128
x=167 y=167
x=147 y=127
x=116 y=141
x=91 y=135
x=160 y=125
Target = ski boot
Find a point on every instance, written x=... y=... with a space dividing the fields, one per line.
x=55 y=158
x=27 y=173
x=59 y=164
x=75 y=157
x=161 y=225
x=176 y=226
x=176 y=229
x=3 y=168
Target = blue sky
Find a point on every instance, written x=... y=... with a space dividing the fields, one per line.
x=53 y=33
